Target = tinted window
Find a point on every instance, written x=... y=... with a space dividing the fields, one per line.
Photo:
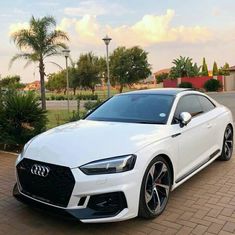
x=190 y=104
x=139 y=108
x=206 y=104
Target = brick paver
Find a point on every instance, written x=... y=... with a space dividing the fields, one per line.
x=205 y=204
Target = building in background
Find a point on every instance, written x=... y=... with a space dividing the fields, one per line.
x=33 y=86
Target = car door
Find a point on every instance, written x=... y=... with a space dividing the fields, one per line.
x=211 y=115
x=193 y=138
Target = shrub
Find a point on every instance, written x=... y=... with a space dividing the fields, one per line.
x=91 y=105
x=61 y=97
x=161 y=77
x=186 y=85
x=87 y=97
x=21 y=118
x=212 y=85
x=75 y=116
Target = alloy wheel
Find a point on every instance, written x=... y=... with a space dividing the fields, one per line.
x=228 y=142
x=157 y=187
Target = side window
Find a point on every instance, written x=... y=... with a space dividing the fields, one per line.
x=190 y=104
x=206 y=104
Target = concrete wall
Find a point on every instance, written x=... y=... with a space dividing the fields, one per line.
x=197 y=82
x=229 y=82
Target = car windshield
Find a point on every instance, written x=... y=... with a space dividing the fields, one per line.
x=134 y=108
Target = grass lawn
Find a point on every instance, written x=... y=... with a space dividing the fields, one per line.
x=57 y=117
x=102 y=94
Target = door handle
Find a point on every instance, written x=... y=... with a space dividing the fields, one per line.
x=175 y=135
x=209 y=125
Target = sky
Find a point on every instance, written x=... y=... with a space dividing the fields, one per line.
x=166 y=29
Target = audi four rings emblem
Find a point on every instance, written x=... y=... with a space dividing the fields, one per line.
x=39 y=170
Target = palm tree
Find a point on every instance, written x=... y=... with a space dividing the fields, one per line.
x=184 y=67
x=37 y=43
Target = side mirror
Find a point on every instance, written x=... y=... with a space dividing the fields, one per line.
x=185 y=118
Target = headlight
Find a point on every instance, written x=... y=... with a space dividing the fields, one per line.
x=109 y=165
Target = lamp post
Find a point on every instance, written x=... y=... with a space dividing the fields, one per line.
x=66 y=55
x=107 y=41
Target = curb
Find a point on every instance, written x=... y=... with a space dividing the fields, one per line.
x=15 y=154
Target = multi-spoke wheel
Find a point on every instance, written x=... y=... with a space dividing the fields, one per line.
x=227 y=144
x=155 y=189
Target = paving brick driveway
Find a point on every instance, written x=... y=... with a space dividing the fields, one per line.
x=205 y=204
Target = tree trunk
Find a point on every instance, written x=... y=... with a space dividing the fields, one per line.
x=120 y=88
x=42 y=83
x=93 y=90
x=74 y=91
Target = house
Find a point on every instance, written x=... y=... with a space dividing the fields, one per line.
x=33 y=86
x=162 y=71
x=149 y=80
x=229 y=81
x=232 y=70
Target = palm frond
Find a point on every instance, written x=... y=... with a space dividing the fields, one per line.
x=25 y=56
x=53 y=53
x=51 y=62
x=25 y=39
x=57 y=35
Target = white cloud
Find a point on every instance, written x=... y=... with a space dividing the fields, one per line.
x=85 y=31
x=18 y=26
x=151 y=29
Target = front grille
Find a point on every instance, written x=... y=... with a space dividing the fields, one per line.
x=56 y=188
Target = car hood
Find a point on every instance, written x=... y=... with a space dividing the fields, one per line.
x=78 y=143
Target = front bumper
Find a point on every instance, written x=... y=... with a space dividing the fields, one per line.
x=89 y=213
x=102 y=198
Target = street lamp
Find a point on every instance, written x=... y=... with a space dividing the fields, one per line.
x=107 y=41
x=66 y=55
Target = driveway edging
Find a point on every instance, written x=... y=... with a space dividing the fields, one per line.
x=15 y=154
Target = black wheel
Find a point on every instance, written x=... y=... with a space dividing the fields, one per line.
x=227 y=149
x=155 y=188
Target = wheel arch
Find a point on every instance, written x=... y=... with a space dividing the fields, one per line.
x=168 y=160
x=231 y=125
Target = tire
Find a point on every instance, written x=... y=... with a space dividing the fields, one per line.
x=227 y=149
x=151 y=193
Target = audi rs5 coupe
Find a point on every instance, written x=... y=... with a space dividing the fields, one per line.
x=126 y=156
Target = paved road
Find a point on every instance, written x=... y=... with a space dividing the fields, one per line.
x=63 y=104
x=227 y=99
x=205 y=204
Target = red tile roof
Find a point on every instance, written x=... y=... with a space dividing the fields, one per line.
x=162 y=71
x=232 y=68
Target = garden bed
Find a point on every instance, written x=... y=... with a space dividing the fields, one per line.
x=15 y=148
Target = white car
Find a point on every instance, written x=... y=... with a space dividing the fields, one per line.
x=126 y=156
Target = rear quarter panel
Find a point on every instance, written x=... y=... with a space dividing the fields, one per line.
x=223 y=117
